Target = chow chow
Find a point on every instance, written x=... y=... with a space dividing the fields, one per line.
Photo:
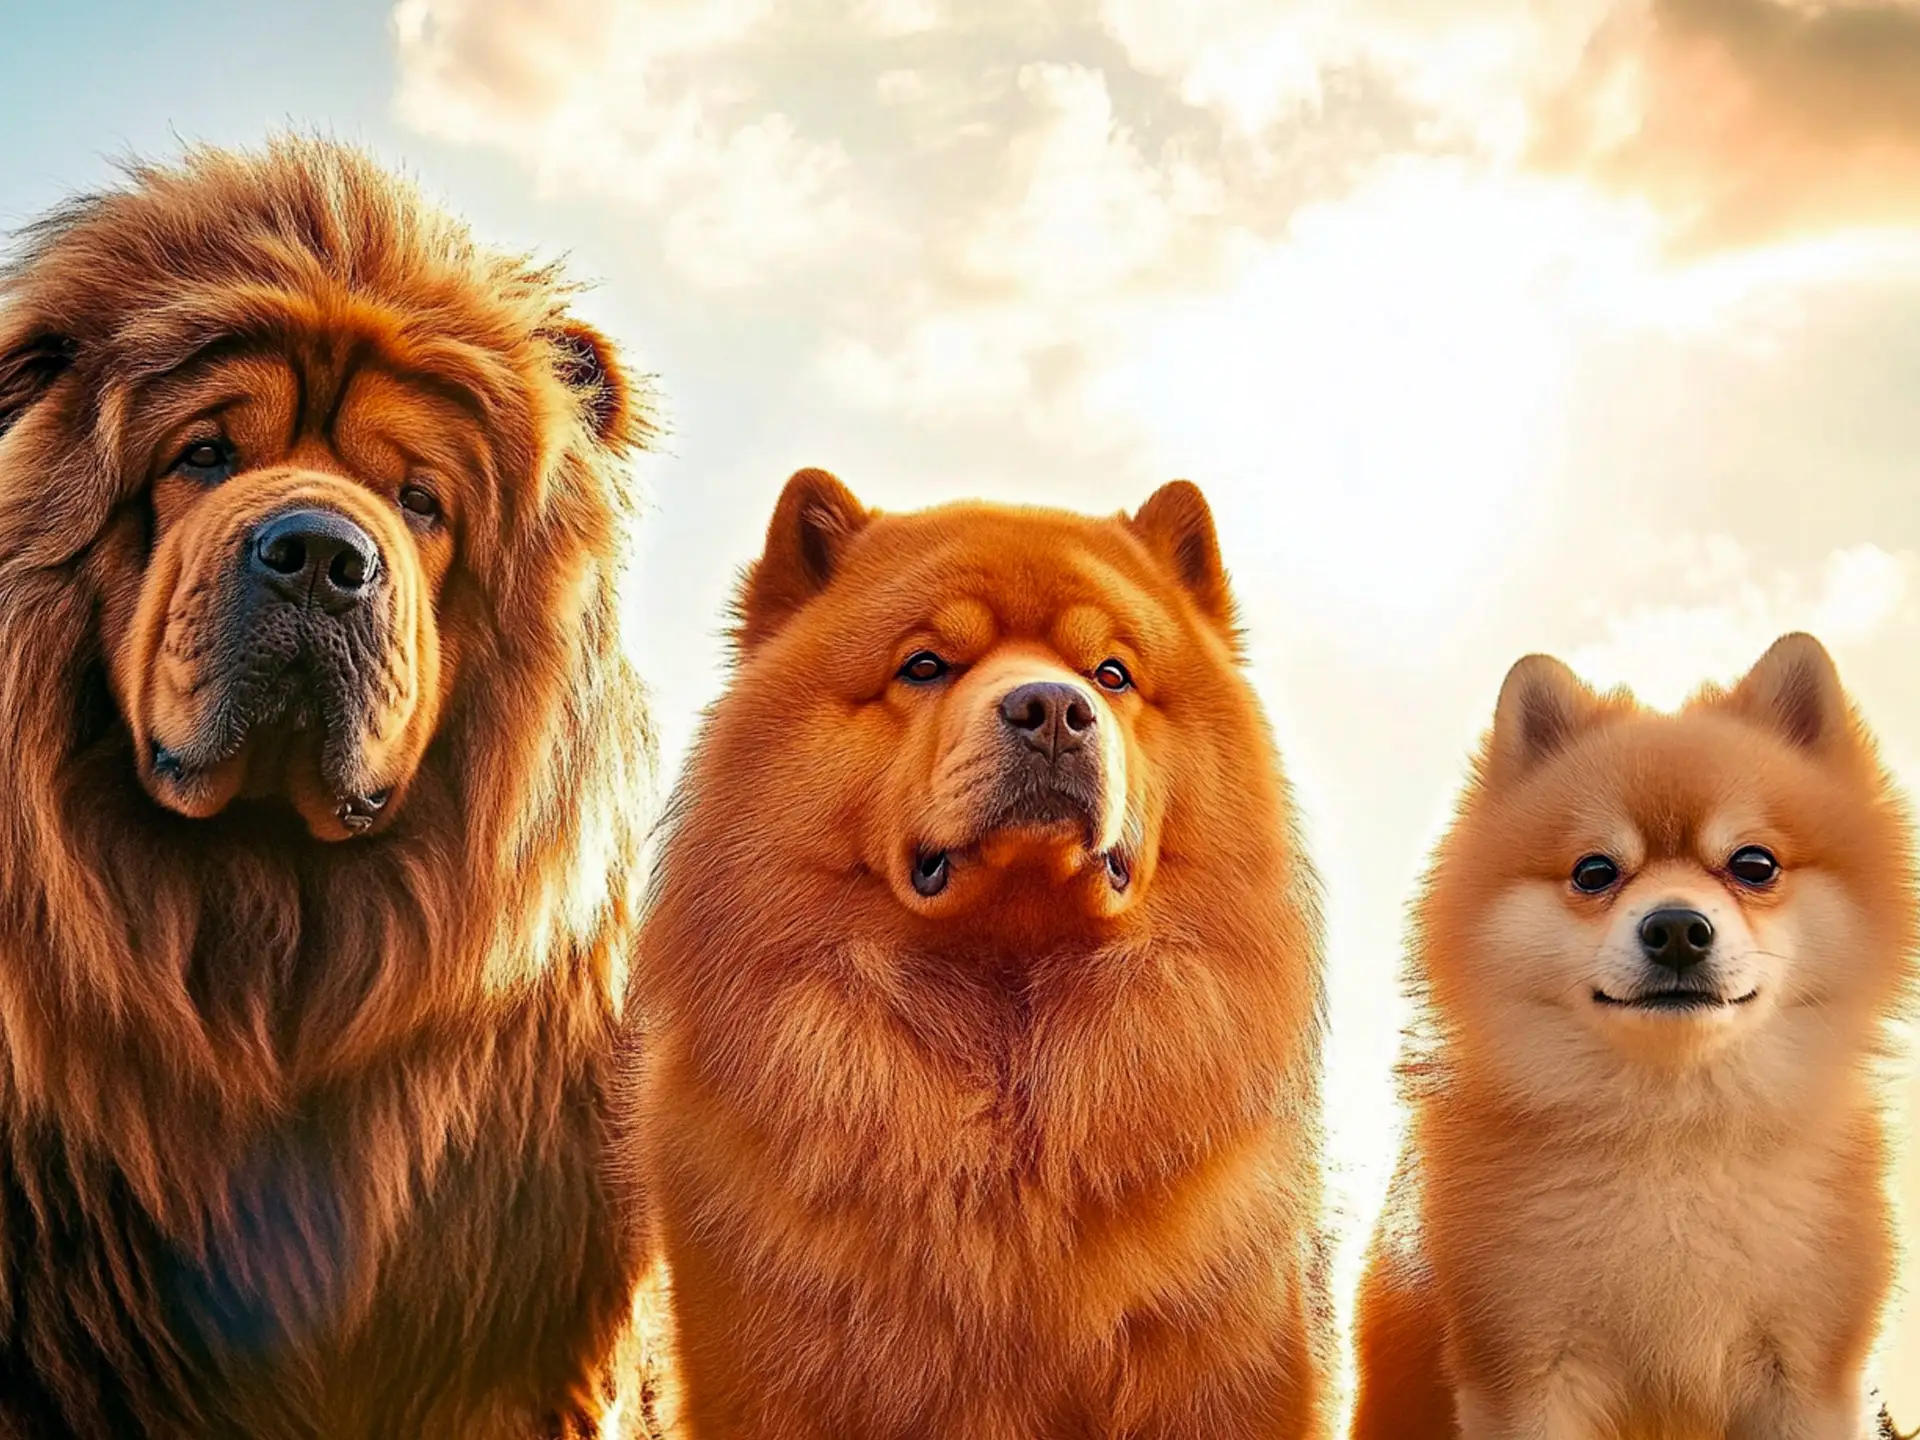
x=979 y=1093
x=315 y=864
x=1645 y=1191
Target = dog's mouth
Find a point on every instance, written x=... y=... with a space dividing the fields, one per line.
x=295 y=733
x=931 y=870
x=1674 y=1001
x=1040 y=833
x=356 y=809
x=1044 y=801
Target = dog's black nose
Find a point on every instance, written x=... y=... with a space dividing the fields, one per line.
x=1051 y=717
x=315 y=553
x=1676 y=939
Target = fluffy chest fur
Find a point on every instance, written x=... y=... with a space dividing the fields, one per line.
x=1674 y=1275
x=278 y=1292
x=1032 y=1125
x=996 y=1216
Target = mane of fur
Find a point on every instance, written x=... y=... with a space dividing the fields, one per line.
x=272 y=1110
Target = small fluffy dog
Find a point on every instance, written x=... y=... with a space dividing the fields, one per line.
x=1645 y=1190
x=980 y=1084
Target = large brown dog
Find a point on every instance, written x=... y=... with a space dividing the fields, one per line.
x=980 y=1089
x=314 y=860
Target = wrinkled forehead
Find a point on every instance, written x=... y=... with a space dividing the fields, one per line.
x=982 y=576
x=335 y=394
x=322 y=336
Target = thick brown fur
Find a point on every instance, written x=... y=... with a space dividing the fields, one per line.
x=1034 y=1155
x=299 y=1126
x=1630 y=1220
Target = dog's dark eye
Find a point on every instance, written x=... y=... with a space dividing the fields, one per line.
x=1594 y=873
x=1113 y=676
x=923 y=668
x=418 y=500
x=206 y=460
x=1753 y=865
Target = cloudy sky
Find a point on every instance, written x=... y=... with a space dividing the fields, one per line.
x=1487 y=325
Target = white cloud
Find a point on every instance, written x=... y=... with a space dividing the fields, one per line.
x=901 y=17
x=886 y=143
x=912 y=155
x=1730 y=610
x=1255 y=63
x=1360 y=345
x=752 y=202
x=1050 y=265
x=946 y=365
x=1472 y=63
x=1080 y=209
x=654 y=103
x=984 y=221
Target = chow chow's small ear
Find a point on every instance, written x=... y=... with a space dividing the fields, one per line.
x=589 y=365
x=1795 y=691
x=1542 y=706
x=806 y=539
x=27 y=368
x=1176 y=525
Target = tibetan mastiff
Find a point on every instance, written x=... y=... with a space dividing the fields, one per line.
x=315 y=874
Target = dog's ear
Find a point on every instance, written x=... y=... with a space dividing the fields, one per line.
x=806 y=540
x=589 y=365
x=28 y=368
x=1794 y=690
x=1542 y=706
x=1176 y=525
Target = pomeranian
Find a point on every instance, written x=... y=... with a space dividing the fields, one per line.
x=1645 y=1190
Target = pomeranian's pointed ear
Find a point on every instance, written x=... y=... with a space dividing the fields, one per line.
x=1543 y=705
x=27 y=369
x=1794 y=690
x=1176 y=525
x=589 y=365
x=806 y=541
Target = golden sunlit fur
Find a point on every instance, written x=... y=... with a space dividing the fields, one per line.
x=979 y=1097
x=312 y=925
x=1619 y=1216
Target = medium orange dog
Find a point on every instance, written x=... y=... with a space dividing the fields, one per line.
x=1646 y=1188
x=980 y=1085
